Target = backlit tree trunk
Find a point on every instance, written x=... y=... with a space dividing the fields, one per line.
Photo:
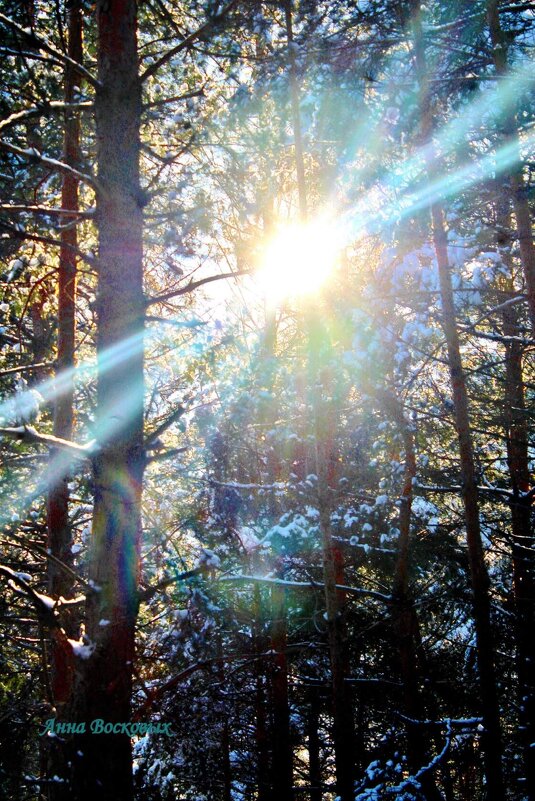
x=517 y=187
x=105 y=679
x=516 y=425
x=491 y=738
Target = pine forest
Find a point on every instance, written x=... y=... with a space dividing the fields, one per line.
x=267 y=337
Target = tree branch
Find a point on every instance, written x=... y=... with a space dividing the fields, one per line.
x=30 y=435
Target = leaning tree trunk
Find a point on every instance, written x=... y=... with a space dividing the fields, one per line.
x=104 y=683
x=491 y=737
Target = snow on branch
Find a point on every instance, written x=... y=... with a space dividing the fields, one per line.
x=379 y=596
x=33 y=154
x=39 y=111
x=36 y=41
x=188 y=40
x=31 y=435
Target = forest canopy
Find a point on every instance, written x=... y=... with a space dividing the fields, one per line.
x=267 y=325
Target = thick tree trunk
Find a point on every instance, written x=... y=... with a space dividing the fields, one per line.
x=517 y=187
x=105 y=678
x=296 y=115
x=491 y=738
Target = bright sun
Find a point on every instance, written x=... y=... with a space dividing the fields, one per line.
x=298 y=260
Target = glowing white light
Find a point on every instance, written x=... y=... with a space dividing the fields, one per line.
x=299 y=259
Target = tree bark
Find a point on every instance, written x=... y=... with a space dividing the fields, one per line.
x=260 y=724
x=517 y=187
x=523 y=540
x=491 y=737
x=59 y=533
x=404 y=617
x=104 y=681
x=313 y=742
x=343 y=724
x=58 y=524
x=281 y=742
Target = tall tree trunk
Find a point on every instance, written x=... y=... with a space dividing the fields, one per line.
x=523 y=540
x=281 y=742
x=260 y=722
x=517 y=187
x=59 y=534
x=343 y=724
x=313 y=742
x=105 y=678
x=296 y=115
x=491 y=738
x=404 y=618
x=59 y=530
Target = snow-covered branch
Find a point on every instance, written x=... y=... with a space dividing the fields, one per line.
x=39 y=111
x=310 y=585
x=38 y=42
x=32 y=154
x=30 y=435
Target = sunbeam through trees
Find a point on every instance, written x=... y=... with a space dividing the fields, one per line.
x=267 y=309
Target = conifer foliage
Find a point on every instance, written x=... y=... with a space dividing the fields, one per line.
x=267 y=297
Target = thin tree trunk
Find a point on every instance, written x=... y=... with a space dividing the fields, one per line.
x=260 y=723
x=313 y=742
x=491 y=737
x=343 y=724
x=523 y=541
x=104 y=684
x=281 y=742
x=403 y=611
x=59 y=534
x=517 y=187
x=296 y=115
x=58 y=525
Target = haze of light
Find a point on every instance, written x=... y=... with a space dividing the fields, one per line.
x=298 y=260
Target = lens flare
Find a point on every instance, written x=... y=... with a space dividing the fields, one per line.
x=298 y=260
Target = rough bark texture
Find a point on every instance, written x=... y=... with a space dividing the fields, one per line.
x=491 y=737
x=104 y=681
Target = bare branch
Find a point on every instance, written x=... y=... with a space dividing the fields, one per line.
x=192 y=285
